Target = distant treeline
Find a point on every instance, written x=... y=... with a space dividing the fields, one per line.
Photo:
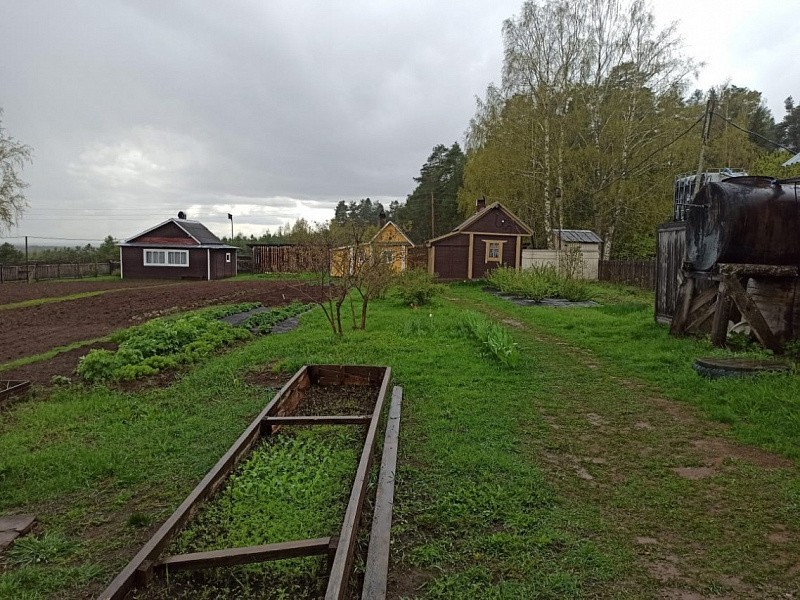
x=106 y=251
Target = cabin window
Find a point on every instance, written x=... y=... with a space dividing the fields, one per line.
x=166 y=258
x=227 y=257
x=494 y=250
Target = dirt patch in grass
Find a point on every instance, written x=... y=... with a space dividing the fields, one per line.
x=63 y=364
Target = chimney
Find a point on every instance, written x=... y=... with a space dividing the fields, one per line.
x=480 y=204
x=381 y=219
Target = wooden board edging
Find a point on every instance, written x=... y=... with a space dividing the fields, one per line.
x=376 y=571
x=320 y=420
x=141 y=564
x=247 y=555
x=343 y=560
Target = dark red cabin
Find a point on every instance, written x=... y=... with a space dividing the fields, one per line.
x=490 y=238
x=177 y=249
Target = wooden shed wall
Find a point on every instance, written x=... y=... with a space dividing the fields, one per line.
x=168 y=234
x=219 y=267
x=670 y=253
x=451 y=257
x=133 y=265
x=508 y=258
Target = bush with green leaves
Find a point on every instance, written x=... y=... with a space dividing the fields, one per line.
x=538 y=283
x=415 y=287
x=495 y=339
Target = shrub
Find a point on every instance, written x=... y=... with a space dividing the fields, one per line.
x=415 y=287
x=538 y=283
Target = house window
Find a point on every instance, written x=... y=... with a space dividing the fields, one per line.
x=227 y=257
x=494 y=250
x=166 y=258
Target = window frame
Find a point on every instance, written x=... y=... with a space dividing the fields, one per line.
x=488 y=251
x=165 y=253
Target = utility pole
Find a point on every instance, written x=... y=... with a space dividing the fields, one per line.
x=27 y=266
x=710 y=105
x=433 y=219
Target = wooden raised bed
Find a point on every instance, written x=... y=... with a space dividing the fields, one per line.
x=9 y=389
x=280 y=412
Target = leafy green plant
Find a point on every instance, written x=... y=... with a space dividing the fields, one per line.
x=162 y=344
x=415 y=287
x=263 y=322
x=495 y=338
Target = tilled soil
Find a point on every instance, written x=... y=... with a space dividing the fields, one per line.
x=19 y=291
x=36 y=329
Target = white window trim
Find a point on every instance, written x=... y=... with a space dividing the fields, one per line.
x=227 y=257
x=166 y=252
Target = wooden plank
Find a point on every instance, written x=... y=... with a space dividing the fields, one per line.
x=244 y=556
x=320 y=420
x=701 y=318
x=376 y=572
x=133 y=573
x=13 y=388
x=757 y=270
x=702 y=299
x=751 y=312
x=722 y=309
x=685 y=293
x=343 y=560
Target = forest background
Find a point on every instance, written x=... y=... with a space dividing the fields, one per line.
x=590 y=125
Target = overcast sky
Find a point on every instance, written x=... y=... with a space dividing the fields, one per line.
x=274 y=110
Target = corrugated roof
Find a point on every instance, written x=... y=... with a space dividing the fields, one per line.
x=584 y=236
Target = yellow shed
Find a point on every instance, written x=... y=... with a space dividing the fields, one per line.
x=390 y=241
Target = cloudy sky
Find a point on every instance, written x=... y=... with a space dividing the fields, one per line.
x=274 y=110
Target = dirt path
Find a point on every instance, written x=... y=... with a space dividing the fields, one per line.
x=704 y=516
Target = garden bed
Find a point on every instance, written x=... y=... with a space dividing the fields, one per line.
x=295 y=464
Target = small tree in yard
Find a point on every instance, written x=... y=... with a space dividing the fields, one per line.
x=320 y=251
x=361 y=268
x=372 y=274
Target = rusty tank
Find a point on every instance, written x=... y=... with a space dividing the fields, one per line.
x=749 y=220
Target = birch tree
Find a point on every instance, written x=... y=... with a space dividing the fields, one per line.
x=13 y=156
x=599 y=83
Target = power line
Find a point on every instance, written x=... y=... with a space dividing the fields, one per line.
x=758 y=135
x=627 y=172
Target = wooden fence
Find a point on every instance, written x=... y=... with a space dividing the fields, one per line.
x=38 y=271
x=641 y=273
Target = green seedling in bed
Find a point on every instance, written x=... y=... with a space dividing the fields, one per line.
x=263 y=322
x=293 y=487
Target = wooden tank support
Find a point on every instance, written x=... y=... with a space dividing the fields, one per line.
x=725 y=299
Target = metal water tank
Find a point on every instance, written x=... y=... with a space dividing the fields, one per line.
x=749 y=220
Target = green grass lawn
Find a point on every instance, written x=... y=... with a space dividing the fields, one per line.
x=564 y=476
